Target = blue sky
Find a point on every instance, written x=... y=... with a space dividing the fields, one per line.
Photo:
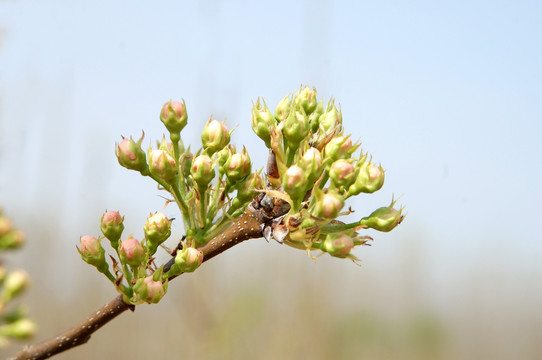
x=446 y=94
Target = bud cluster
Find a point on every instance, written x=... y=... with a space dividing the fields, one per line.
x=318 y=172
x=14 y=323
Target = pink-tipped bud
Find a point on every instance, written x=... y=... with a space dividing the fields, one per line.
x=263 y=121
x=92 y=252
x=131 y=252
x=130 y=155
x=157 y=229
x=215 y=136
x=174 y=116
x=338 y=245
x=384 y=219
x=202 y=170
x=328 y=205
x=370 y=178
x=162 y=165
x=238 y=167
x=187 y=260
x=342 y=173
x=339 y=147
x=311 y=162
x=293 y=182
x=149 y=290
x=112 y=226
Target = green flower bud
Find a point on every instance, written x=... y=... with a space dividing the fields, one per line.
x=296 y=126
x=306 y=98
x=14 y=284
x=283 y=108
x=19 y=329
x=238 y=167
x=174 y=116
x=112 y=226
x=92 y=252
x=246 y=190
x=5 y=225
x=202 y=170
x=370 y=178
x=331 y=120
x=294 y=184
x=339 y=147
x=187 y=260
x=185 y=163
x=311 y=162
x=314 y=117
x=338 y=244
x=328 y=205
x=131 y=252
x=130 y=155
x=157 y=229
x=162 y=165
x=149 y=290
x=383 y=219
x=342 y=173
x=263 y=121
x=215 y=136
x=12 y=240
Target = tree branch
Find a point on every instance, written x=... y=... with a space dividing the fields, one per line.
x=247 y=226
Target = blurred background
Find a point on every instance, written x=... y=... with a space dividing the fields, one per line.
x=446 y=95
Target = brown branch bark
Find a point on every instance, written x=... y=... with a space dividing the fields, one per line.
x=247 y=226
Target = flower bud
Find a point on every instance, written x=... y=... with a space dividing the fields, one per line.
x=238 y=167
x=263 y=121
x=283 y=108
x=157 y=229
x=311 y=162
x=296 y=126
x=5 y=225
x=246 y=190
x=187 y=260
x=328 y=205
x=342 y=173
x=112 y=226
x=383 y=219
x=174 y=116
x=339 y=147
x=130 y=155
x=162 y=165
x=149 y=290
x=294 y=183
x=12 y=240
x=215 y=137
x=14 y=284
x=314 y=117
x=202 y=170
x=306 y=98
x=338 y=244
x=131 y=252
x=331 y=119
x=370 y=178
x=92 y=252
x=19 y=329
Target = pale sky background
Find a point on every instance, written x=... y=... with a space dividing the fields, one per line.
x=447 y=95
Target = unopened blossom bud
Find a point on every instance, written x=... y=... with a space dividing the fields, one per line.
x=162 y=165
x=215 y=136
x=174 y=116
x=370 y=178
x=311 y=162
x=19 y=329
x=92 y=252
x=14 y=284
x=331 y=119
x=338 y=244
x=112 y=226
x=383 y=219
x=294 y=183
x=12 y=240
x=328 y=205
x=342 y=173
x=131 y=252
x=189 y=259
x=157 y=229
x=185 y=163
x=339 y=147
x=314 y=117
x=222 y=157
x=263 y=121
x=149 y=290
x=238 y=167
x=296 y=126
x=247 y=189
x=130 y=155
x=283 y=108
x=306 y=98
x=202 y=170
x=5 y=225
